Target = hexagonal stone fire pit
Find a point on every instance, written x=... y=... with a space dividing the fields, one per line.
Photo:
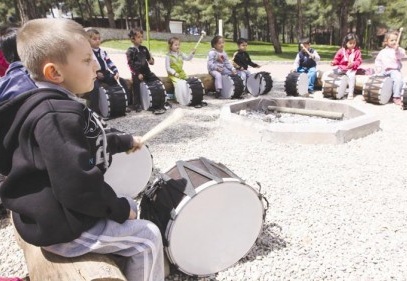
x=356 y=123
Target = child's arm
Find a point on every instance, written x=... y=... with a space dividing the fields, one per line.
x=111 y=65
x=236 y=61
x=211 y=64
x=338 y=57
x=78 y=184
x=170 y=70
x=149 y=57
x=400 y=53
x=250 y=62
x=357 y=60
x=315 y=56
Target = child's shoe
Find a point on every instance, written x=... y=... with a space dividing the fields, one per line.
x=217 y=94
x=350 y=96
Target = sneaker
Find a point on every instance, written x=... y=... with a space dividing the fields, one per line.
x=217 y=94
x=350 y=96
x=159 y=111
x=167 y=105
x=397 y=101
x=135 y=107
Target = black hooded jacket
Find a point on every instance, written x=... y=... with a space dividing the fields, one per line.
x=54 y=152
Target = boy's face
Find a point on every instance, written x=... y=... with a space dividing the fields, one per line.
x=95 y=41
x=79 y=73
x=306 y=45
x=138 y=39
x=243 y=46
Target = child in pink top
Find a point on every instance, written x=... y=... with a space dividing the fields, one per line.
x=348 y=59
x=388 y=63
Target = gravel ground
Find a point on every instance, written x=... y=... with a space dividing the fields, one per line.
x=337 y=212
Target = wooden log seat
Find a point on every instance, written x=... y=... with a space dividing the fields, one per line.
x=44 y=266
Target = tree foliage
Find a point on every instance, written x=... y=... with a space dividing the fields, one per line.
x=276 y=21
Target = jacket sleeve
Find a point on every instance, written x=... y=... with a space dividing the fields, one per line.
x=211 y=61
x=357 y=60
x=133 y=62
x=236 y=61
x=110 y=63
x=170 y=70
x=77 y=184
x=338 y=57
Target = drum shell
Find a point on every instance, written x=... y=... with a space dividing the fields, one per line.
x=152 y=94
x=296 y=84
x=116 y=102
x=232 y=86
x=259 y=83
x=334 y=85
x=171 y=200
x=377 y=89
x=189 y=91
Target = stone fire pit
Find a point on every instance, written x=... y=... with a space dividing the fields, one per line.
x=356 y=123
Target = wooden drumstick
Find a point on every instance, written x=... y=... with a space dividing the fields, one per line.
x=399 y=36
x=203 y=33
x=174 y=117
x=305 y=49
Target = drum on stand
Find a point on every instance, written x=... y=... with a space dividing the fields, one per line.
x=129 y=174
x=334 y=85
x=209 y=218
x=259 y=83
x=189 y=91
x=296 y=84
x=378 y=89
x=232 y=86
x=153 y=95
x=112 y=101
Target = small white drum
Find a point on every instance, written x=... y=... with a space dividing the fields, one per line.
x=259 y=83
x=129 y=174
x=189 y=91
x=153 y=95
x=334 y=85
x=209 y=218
x=377 y=89
x=232 y=86
x=296 y=84
x=112 y=101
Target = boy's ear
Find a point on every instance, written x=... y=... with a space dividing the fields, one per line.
x=51 y=74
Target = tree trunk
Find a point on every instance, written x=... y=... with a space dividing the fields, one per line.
x=235 y=24
x=110 y=13
x=247 y=21
x=272 y=26
x=300 y=30
x=343 y=18
x=27 y=10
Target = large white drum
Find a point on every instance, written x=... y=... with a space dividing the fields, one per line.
x=209 y=218
x=296 y=84
x=189 y=91
x=377 y=89
x=259 y=83
x=232 y=86
x=152 y=94
x=129 y=174
x=334 y=85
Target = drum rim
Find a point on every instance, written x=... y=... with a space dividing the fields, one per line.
x=184 y=202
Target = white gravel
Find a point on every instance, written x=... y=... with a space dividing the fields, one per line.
x=337 y=212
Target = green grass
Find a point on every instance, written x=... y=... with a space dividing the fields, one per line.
x=259 y=51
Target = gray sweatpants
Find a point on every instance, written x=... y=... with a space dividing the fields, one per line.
x=139 y=240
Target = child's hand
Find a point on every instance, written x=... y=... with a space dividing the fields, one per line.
x=100 y=75
x=116 y=76
x=140 y=77
x=234 y=72
x=332 y=63
x=132 y=215
x=220 y=69
x=350 y=65
x=151 y=61
x=176 y=74
x=137 y=144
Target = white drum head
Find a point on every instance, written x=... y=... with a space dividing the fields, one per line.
x=216 y=228
x=386 y=90
x=302 y=84
x=145 y=96
x=104 y=106
x=253 y=85
x=182 y=92
x=129 y=173
x=228 y=87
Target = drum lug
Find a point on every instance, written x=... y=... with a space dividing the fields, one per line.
x=263 y=198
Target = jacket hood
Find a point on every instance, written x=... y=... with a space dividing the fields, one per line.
x=13 y=113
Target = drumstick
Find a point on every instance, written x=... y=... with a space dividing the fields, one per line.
x=399 y=36
x=174 y=117
x=203 y=33
x=305 y=49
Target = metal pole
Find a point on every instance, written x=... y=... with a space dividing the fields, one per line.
x=147 y=25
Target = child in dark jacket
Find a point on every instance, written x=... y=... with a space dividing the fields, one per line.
x=54 y=152
x=241 y=60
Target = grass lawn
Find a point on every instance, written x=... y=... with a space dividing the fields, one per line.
x=259 y=51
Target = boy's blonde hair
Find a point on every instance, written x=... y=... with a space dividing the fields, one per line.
x=45 y=40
